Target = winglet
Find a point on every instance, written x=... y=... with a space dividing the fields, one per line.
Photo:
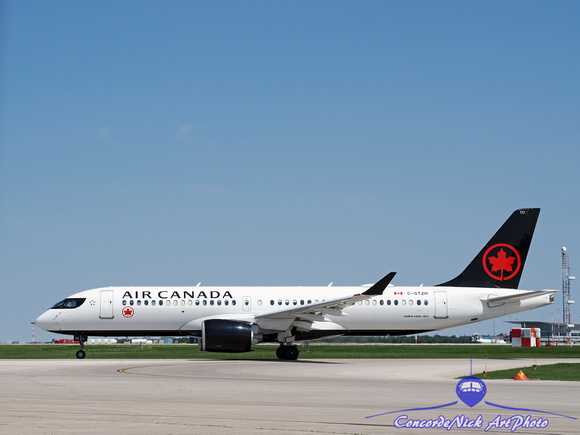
x=380 y=286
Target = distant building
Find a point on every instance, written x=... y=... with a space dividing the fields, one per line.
x=551 y=332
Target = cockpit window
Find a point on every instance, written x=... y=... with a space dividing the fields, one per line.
x=69 y=303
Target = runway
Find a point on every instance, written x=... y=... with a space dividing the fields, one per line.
x=265 y=397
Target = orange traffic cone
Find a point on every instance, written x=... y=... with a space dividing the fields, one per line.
x=521 y=377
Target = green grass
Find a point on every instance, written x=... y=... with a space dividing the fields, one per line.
x=550 y=372
x=267 y=352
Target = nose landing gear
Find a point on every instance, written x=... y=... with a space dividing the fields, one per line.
x=288 y=352
x=82 y=339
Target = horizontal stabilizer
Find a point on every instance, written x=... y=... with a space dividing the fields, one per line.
x=518 y=296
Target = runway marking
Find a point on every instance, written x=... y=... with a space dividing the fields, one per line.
x=128 y=371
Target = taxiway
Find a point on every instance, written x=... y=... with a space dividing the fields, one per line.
x=278 y=397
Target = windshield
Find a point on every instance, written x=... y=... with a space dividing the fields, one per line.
x=69 y=303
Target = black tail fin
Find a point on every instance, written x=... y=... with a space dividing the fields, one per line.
x=501 y=262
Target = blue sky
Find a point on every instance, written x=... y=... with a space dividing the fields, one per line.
x=280 y=143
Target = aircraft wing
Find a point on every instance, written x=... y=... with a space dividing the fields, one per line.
x=315 y=311
x=303 y=318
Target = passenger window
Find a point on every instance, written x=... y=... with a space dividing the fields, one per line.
x=272 y=302
x=396 y=302
x=160 y=303
x=233 y=302
x=418 y=301
x=382 y=302
x=211 y=302
x=153 y=303
x=403 y=302
x=124 y=302
x=139 y=303
x=197 y=302
x=388 y=302
x=426 y=302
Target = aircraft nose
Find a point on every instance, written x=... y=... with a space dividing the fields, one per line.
x=46 y=321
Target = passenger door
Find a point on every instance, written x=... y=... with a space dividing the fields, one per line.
x=441 y=305
x=106 y=304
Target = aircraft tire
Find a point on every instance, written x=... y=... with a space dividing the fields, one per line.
x=292 y=353
x=281 y=352
x=81 y=354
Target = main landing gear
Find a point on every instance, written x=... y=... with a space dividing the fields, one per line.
x=288 y=352
x=82 y=339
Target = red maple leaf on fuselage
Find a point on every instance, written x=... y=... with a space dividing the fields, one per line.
x=502 y=262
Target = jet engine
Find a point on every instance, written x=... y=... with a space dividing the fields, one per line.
x=218 y=335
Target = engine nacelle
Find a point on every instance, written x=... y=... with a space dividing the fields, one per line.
x=219 y=335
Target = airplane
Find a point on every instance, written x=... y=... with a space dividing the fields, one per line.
x=487 y=339
x=233 y=319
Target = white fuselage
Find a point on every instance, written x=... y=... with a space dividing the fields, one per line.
x=162 y=311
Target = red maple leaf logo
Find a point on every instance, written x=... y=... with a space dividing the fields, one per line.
x=505 y=260
x=128 y=312
x=502 y=262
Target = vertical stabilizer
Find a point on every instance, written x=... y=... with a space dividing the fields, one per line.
x=501 y=261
